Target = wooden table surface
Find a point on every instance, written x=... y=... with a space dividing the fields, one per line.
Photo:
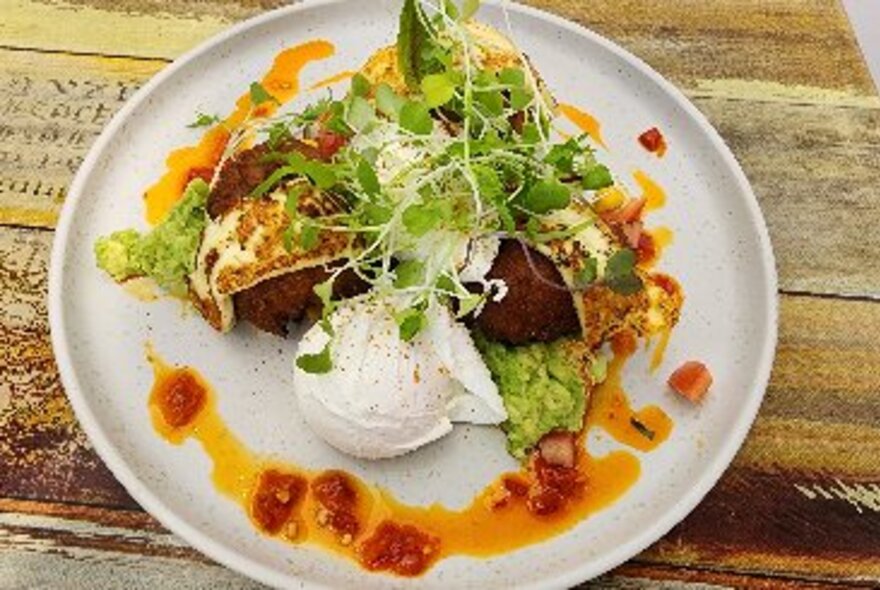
x=784 y=83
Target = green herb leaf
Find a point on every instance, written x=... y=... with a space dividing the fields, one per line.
x=450 y=9
x=316 y=363
x=438 y=89
x=520 y=98
x=642 y=429
x=514 y=77
x=419 y=219
x=287 y=237
x=586 y=276
x=415 y=117
x=468 y=304
x=412 y=38
x=291 y=204
x=360 y=86
x=597 y=177
x=620 y=272
x=360 y=113
x=562 y=155
x=410 y=322
x=367 y=178
x=389 y=102
x=492 y=102
x=547 y=195
x=203 y=120
x=259 y=95
x=308 y=236
x=409 y=273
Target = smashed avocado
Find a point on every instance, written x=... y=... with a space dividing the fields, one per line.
x=166 y=253
x=542 y=388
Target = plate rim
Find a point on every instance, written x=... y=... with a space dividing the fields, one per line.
x=218 y=552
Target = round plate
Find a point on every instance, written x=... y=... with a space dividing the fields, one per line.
x=721 y=255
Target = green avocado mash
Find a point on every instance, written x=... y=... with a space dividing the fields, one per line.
x=166 y=253
x=541 y=386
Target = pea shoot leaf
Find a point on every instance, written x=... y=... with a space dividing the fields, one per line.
x=203 y=120
x=317 y=364
x=415 y=117
x=259 y=95
x=367 y=178
x=438 y=89
x=409 y=273
x=547 y=195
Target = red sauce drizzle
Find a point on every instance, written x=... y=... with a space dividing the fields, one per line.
x=401 y=549
x=274 y=499
x=180 y=398
x=336 y=493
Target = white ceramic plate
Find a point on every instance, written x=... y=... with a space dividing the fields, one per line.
x=721 y=255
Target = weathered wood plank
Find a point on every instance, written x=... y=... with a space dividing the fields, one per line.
x=803 y=497
x=811 y=161
x=43 y=451
x=52 y=107
x=52 y=544
x=806 y=42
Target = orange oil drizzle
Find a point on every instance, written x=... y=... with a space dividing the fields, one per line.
x=654 y=194
x=610 y=408
x=281 y=81
x=584 y=121
x=331 y=80
x=481 y=529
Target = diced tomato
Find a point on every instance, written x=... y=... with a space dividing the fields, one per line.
x=631 y=211
x=558 y=448
x=653 y=141
x=646 y=248
x=329 y=142
x=691 y=380
x=632 y=232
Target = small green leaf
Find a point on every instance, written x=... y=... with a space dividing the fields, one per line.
x=438 y=89
x=203 y=120
x=445 y=283
x=415 y=117
x=389 y=102
x=562 y=155
x=259 y=95
x=413 y=42
x=546 y=196
x=360 y=86
x=287 y=237
x=291 y=203
x=586 y=276
x=450 y=9
x=419 y=219
x=377 y=214
x=409 y=273
x=514 y=77
x=410 y=322
x=367 y=178
x=492 y=102
x=308 y=236
x=620 y=272
x=360 y=113
x=468 y=304
x=597 y=177
x=316 y=363
x=520 y=98
x=530 y=134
